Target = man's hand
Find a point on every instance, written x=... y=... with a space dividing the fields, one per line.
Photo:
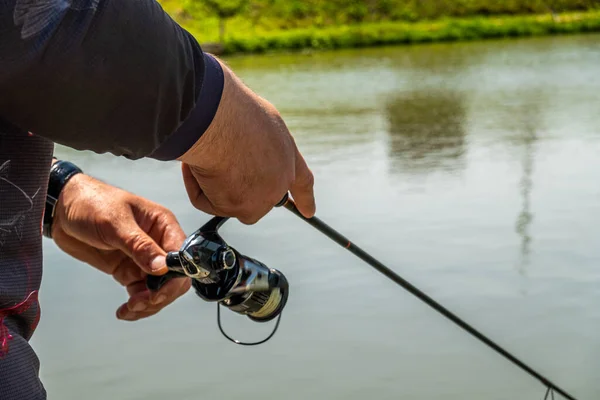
x=123 y=235
x=247 y=160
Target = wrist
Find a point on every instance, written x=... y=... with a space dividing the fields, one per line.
x=238 y=105
x=62 y=175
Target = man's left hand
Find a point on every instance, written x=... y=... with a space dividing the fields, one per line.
x=123 y=235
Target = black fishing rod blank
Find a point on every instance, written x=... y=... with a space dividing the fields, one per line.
x=357 y=251
x=221 y=274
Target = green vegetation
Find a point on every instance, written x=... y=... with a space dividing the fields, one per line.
x=270 y=25
x=224 y=10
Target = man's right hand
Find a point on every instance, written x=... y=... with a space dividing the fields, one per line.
x=247 y=160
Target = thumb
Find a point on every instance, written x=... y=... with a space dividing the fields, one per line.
x=141 y=248
x=302 y=189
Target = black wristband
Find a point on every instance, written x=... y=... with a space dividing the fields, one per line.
x=60 y=173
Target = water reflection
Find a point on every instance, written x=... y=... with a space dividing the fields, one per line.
x=426 y=131
x=526 y=121
x=525 y=217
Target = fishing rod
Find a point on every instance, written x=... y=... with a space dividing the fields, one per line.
x=246 y=286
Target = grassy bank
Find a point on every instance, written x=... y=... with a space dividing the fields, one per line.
x=258 y=39
x=292 y=14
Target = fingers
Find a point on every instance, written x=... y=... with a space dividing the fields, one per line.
x=302 y=189
x=131 y=239
x=142 y=303
x=246 y=213
x=250 y=212
x=128 y=272
x=251 y=217
x=112 y=262
x=247 y=195
x=164 y=229
x=151 y=232
x=82 y=251
x=170 y=292
x=195 y=194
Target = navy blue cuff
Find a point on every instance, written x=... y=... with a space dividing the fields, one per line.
x=201 y=116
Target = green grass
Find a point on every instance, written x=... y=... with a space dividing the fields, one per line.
x=289 y=14
x=257 y=40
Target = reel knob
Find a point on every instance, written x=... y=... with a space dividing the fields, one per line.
x=228 y=259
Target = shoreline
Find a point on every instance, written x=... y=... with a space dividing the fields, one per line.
x=399 y=33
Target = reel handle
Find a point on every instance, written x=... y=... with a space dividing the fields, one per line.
x=155 y=282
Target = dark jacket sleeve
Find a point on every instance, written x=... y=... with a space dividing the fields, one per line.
x=116 y=76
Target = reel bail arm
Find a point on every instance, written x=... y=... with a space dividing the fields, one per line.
x=221 y=274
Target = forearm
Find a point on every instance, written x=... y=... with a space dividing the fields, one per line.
x=120 y=78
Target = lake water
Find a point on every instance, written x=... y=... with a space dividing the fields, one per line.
x=471 y=169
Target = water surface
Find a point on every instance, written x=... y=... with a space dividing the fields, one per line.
x=471 y=169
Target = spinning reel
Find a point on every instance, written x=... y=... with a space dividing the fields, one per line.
x=223 y=275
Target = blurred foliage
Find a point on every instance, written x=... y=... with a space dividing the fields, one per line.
x=330 y=12
x=208 y=8
x=223 y=9
x=286 y=14
x=265 y=25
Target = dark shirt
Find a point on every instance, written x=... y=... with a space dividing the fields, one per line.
x=110 y=76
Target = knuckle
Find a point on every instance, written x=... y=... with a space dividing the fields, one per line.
x=119 y=273
x=138 y=243
x=249 y=218
x=196 y=202
x=124 y=274
x=105 y=226
x=226 y=210
x=235 y=205
x=167 y=215
x=236 y=200
x=170 y=215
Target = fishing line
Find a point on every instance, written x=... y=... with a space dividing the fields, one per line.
x=357 y=251
x=549 y=392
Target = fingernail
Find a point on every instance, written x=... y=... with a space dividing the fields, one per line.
x=139 y=307
x=158 y=263
x=159 y=299
x=127 y=315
